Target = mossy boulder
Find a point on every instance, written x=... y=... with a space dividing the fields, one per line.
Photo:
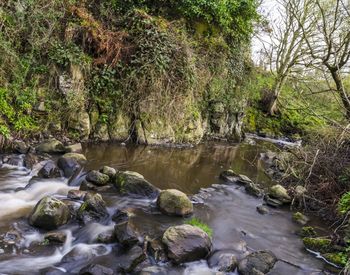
x=322 y=245
x=109 y=171
x=280 y=193
x=97 y=178
x=49 y=213
x=338 y=258
x=93 y=208
x=307 y=231
x=134 y=184
x=259 y=262
x=300 y=218
x=186 y=243
x=174 y=202
x=52 y=146
x=80 y=158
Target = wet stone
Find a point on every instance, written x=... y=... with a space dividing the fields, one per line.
x=96 y=269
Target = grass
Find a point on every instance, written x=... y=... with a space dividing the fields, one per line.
x=198 y=223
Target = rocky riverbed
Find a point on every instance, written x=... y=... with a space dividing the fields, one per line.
x=111 y=209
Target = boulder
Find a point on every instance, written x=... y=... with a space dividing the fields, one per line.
x=174 y=202
x=109 y=171
x=126 y=234
x=14 y=160
x=93 y=208
x=74 y=148
x=280 y=193
x=49 y=213
x=97 y=178
x=259 y=262
x=80 y=158
x=20 y=146
x=49 y=170
x=272 y=202
x=131 y=259
x=68 y=166
x=96 y=269
x=223 y=261
x=134 y=184
x=52 y=146
x=186 y=243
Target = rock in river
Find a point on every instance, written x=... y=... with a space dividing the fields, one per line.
x=132 y=183
x=96 y=269
x=174 y=202
x=93 y=208
x=259 y=262
x=49 y=170
x=126 y=234
x=97 y=178
x=49 y=213
x=52 y=146
x=186 y=243
x=68 y=165
x=280 y=193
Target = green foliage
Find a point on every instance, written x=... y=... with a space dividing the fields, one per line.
x=344 y=203
x=307 y=231
x=338 y=258
x=198 y=223
x=65 y=54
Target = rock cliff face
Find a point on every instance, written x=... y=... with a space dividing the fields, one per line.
x=151 y=126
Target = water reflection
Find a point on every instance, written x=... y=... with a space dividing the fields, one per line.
x=187 y=169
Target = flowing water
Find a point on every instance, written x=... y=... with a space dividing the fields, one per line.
x=227 y=209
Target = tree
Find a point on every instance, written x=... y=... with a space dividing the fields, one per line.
x=285 y=44
x=329 y=44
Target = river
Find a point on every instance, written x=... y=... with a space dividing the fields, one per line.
x=227 y=209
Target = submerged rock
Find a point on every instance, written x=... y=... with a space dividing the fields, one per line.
x=262 y=209
x=76 y=194
x=55 y=237
x=93 y=208
x=49 y=213
x=106 y=237
x=155 y=270
x=132 y=183
x=280 y=193
x=186 y=243
x=259 y=262
x=49 y=170
x=96 y=269
x=174 y=202
x=120 y=216
x=52 y=146
x=126 y=234
x=97 y=178
x=223 y=261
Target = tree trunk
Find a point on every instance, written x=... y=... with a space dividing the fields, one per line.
x=273 y=107
x=342 y=92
